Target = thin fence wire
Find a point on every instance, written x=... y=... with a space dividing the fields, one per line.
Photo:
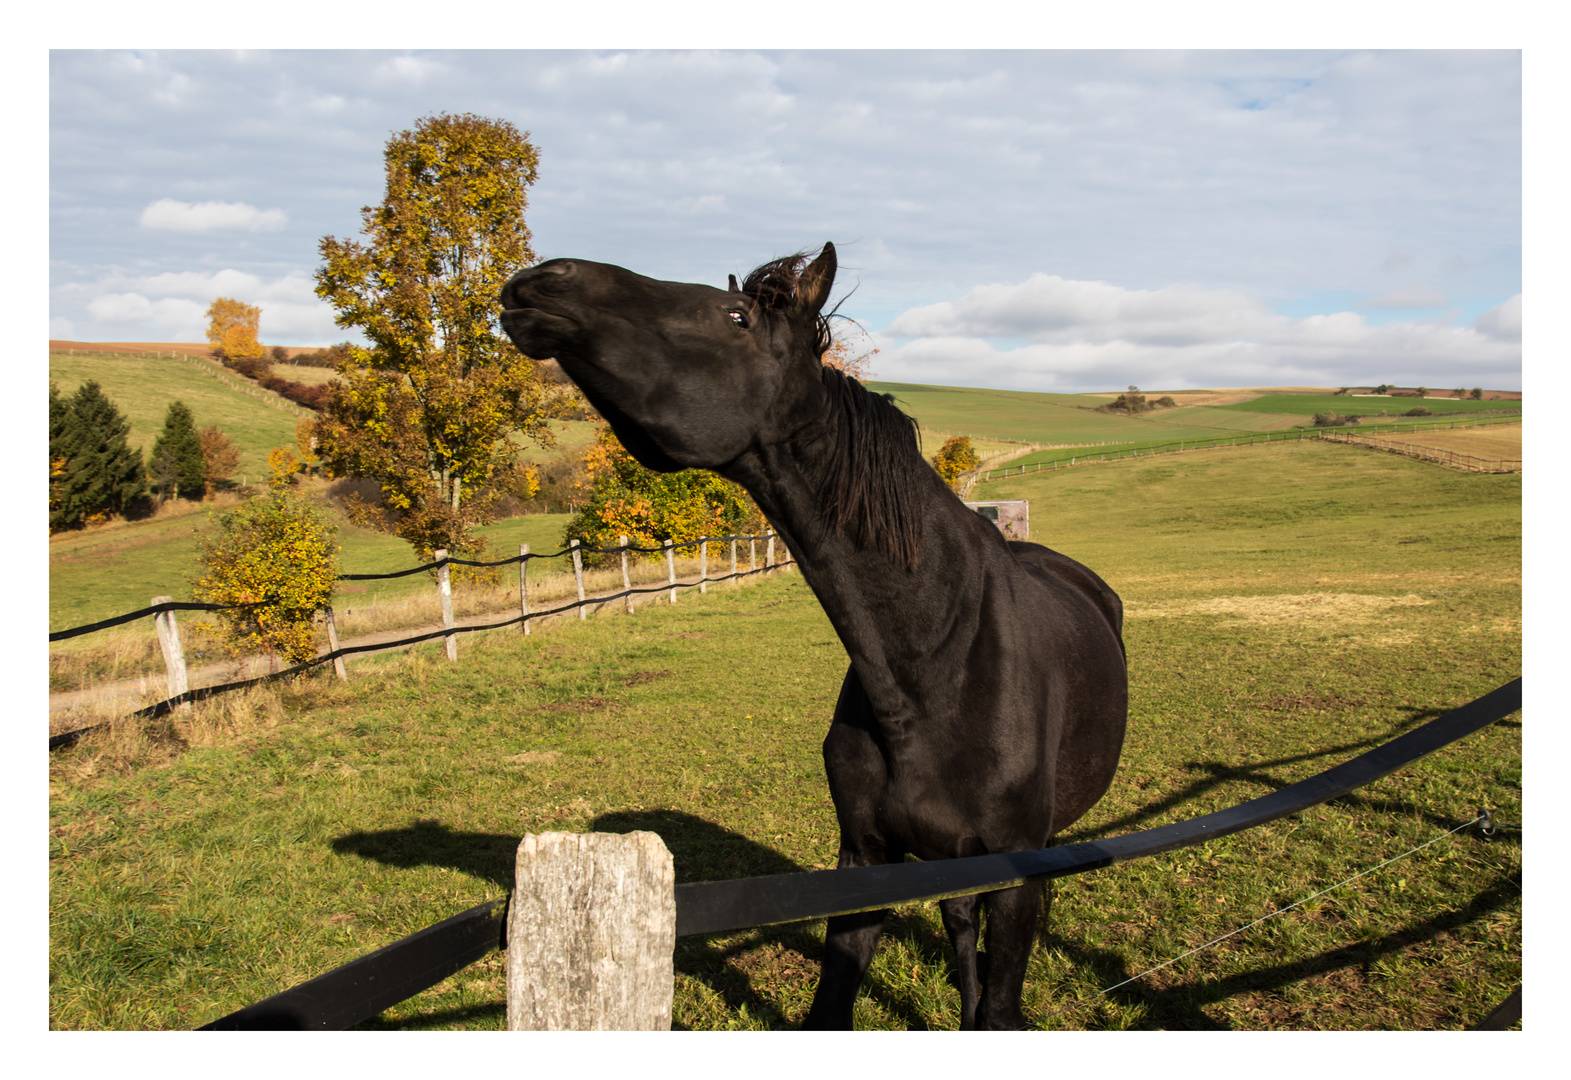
x=1478 y=820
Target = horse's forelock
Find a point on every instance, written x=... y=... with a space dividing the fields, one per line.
x=773 y=287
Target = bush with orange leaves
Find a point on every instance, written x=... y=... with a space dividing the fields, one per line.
x=626 y=499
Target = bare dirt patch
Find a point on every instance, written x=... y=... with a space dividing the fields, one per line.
x=1325 y=609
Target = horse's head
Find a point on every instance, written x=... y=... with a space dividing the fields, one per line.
x=688 y=376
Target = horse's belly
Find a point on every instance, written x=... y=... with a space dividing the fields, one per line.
x=943 y=821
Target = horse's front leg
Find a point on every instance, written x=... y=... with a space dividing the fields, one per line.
x=961 y=917
x=1011 y=931
x=849 y=943
x=857 y=774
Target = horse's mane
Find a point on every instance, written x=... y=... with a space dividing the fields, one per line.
x=870 y=482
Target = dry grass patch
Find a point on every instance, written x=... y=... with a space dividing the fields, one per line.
x=1324 y=609
x=1500 y=442
x=533 y=757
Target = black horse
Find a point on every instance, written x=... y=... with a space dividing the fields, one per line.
x=985 y=706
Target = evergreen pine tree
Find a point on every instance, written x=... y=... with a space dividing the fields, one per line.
x=176 y=463
x=59 y=424
x=100 y=473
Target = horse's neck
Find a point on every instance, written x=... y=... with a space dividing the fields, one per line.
x=889 y=617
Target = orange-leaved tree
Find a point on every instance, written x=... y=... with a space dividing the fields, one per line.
x=956 y=456
x=626 y=499
x=843 y=358
x=220 y=459
x=232 y=329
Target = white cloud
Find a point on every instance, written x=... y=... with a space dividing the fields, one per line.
x=1503 y=322
x=173 y=307
x=176 y=216
x=1086 y=335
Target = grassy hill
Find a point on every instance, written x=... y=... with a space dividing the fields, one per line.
x=143 y=386
x=1072 y=420
x=1287 y=607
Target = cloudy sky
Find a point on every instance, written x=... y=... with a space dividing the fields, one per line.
x=1077 y=220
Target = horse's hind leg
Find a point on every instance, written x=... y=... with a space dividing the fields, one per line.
x=1011 y=929
x=961 y=915
x=848 y=950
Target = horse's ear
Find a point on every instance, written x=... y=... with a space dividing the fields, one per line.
x=812 y=288
x=734 y=287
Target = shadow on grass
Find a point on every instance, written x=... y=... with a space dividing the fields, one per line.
x=1179 y=1008
x=487 y=856
x=438 y=1019
x=1220 y=772
x=701 y=851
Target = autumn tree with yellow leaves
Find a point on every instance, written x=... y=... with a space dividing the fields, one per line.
x=276 y=548
x=430 y=410
x=955 y=457
x=232 y=329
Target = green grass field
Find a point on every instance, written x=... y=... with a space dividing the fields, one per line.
x=1309 y=404
x=143 y=386
x=1288 y=606
x=1071 y=419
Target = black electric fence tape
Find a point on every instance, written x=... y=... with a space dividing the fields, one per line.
x=359 y=990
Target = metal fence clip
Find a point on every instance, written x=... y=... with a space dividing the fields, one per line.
x=1486 y=823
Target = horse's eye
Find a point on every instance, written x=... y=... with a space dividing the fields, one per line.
x=738 y=318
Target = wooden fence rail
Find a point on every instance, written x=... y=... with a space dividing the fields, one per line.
x=1433 y=454
x=181 y=694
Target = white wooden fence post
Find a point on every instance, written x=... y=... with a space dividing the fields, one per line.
x=444 y=588
x=590 y=933
x=627 y=582
x=703 y=566
x=332 y=646
x=733 y=560
x=769 y=553
x=523 y=591
x=578 y=573
x=670 y=568
x=174 y=656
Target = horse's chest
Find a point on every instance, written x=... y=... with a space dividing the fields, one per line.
x=965 y=809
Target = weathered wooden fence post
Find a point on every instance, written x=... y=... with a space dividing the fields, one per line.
x=670 y=567
x=590 y=933
x=703 y=565
x=332 y=646
x=733 y=560
x=444 y=589
x=523 y=591
x=578 y=573
x=174 y=656
x=752 y=553
x=627 y=582
x=769 y=552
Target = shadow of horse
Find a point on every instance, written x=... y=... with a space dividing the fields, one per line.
x=1180 y=1007
x=1216 y=773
